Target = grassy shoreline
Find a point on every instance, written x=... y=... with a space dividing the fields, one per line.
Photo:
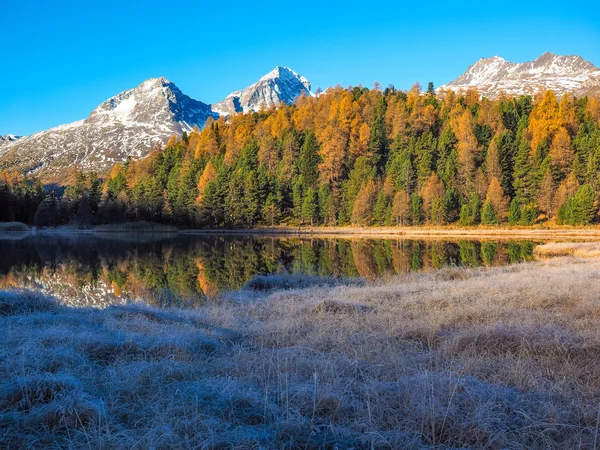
x=503 y=357
x=421 y=232
x=414 y=232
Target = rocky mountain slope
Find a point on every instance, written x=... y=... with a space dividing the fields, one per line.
x=495 y=76
x=281 y=85
x=131 y=123
x=9 y=138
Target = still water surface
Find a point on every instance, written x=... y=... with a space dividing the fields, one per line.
x=101 y=270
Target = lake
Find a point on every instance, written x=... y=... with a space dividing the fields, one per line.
x=105 y=269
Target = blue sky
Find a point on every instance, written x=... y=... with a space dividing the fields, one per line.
x=61 y=59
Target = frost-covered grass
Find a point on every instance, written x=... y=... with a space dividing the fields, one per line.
x=487 y=358
x=577 y=249
x=295 y=281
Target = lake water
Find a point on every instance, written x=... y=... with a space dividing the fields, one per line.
x=101 y=270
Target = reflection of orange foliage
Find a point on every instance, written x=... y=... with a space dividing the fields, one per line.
x=362 y=253
x=400 y=258
x=209 y=288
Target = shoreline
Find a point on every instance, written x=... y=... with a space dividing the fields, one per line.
x=503 y=233
x=410 y=232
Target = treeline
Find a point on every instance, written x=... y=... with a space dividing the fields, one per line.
x=19 y=197
x=368 y=157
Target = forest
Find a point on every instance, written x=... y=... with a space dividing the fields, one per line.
x=351 y=156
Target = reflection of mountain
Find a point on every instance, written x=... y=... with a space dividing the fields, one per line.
x=99 y=271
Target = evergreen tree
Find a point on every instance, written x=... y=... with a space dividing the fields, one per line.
x=309 y=161
x=514 y=212
x=488 y=215
x=378 y=146
x=310 y=207
x=47 y=212
x=416 y=209
x=528 y=214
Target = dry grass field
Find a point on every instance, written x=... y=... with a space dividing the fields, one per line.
x=494 y=358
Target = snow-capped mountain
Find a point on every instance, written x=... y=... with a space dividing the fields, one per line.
x=128 y=124
x=131 y=123
x=495 y=76
x=281 y=85
x=9 y=138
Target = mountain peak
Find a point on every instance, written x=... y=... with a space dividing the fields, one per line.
x=9 y=138
x=281 y=85
x=128 y=124
x=561 y=73
x=154 y=82
x=132 y=122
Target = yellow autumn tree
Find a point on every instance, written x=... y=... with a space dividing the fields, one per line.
x=432 y=189
x=362 y=211
x=467 y=147
x=496 y=197
x=209 y=174
x=492 y=161
x=561 y=152
x=544 y=119
x=545 y=195
x=206 y=143
x=566 y=189
x=593 y=108
x=333 y=152
x=401 y=208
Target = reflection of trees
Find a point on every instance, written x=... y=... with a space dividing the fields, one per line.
x=439 y=254
x=519 y=251
x=195 y=267
x=400 y=257
x=364 y=262
x=488 y=252
x=469 y=253
x=208 y=288
x=416 y=259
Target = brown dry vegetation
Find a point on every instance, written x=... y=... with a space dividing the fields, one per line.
x=423 y=232
x=504 y=357
x=577 y=249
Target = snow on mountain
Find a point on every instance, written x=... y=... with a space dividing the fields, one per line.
x=131 y=123
x=126 y=125
x=9 y=138
x=281 y=85
x=495 y=76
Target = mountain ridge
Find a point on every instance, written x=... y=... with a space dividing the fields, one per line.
x=134 y=121
x=495 y=76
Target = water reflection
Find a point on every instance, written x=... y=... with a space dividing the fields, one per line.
x=99 y=270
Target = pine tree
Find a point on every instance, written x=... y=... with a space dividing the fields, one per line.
x=381 y=209
x=309 y=161
x=488 y=215
x=47 y=211
x=523 y=177
x=416 y=209
x=514 y=212
x=310 y=207
x=585 y=209
x=378 y=146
